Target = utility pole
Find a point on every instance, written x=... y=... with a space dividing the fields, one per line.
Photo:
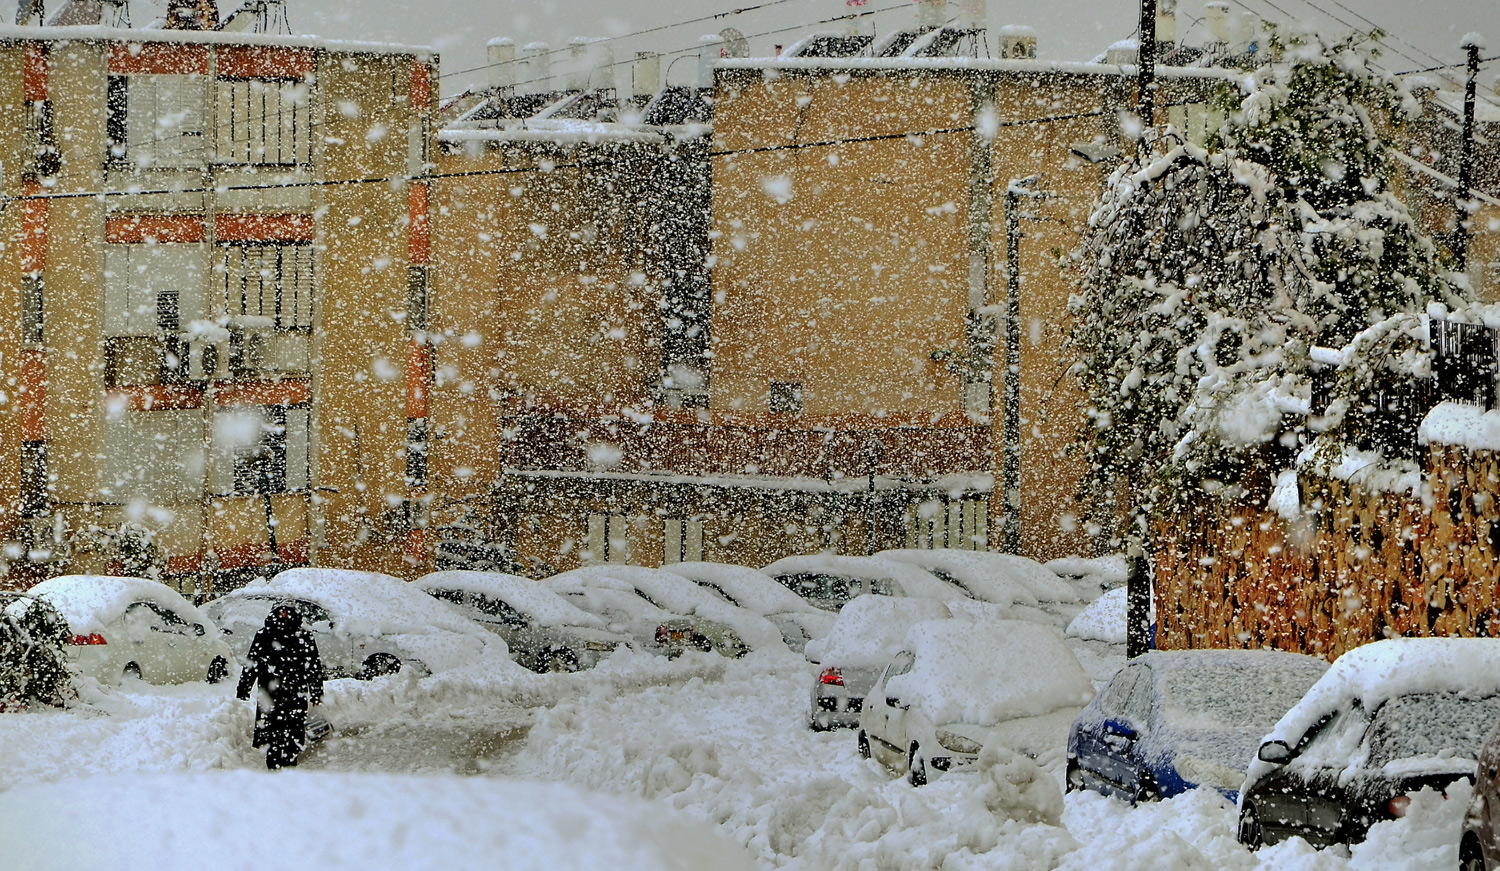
x=1145 y=62
x=1466 y=160
x=1011 y=474
x=1138 y=576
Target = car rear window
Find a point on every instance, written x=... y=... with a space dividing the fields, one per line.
x=1226 y=697
x=1427 y=725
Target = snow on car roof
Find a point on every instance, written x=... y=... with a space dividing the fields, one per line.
x=752 y=588
x=87 y=601
x=989 y=671
x=365 y=602
x=870 y=629
x=1104 y=619
x=912 y=580
x=1387 y=669
x=1003 y=579
x=346 y=822
x=529 y=597
x=679 y=595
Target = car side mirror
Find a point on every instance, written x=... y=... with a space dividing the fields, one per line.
x=198 y=629
x=894 y=702
x=1275 y=752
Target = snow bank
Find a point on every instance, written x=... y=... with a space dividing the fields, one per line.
x=869 y=630
x=527 y=596
x=1466 y=426
x=1388 y=669
x=987 y=672
x=362 y=822
x=86 y=601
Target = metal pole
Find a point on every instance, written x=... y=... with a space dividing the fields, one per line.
x=1466 y=164
x=872 y=455
x=1145 y=60
x=1011 y=479
x=265 y=490
x=1137 y=604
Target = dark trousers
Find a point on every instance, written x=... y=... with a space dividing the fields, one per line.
x=282 y=730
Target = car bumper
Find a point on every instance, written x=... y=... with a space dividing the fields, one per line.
x=836 y=711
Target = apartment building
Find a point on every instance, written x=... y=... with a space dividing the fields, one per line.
x=214 y=358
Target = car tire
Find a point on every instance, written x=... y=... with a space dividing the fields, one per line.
x=916 y=768
x=218 y=670
x=557 y=660
x=379 y=665
x=1250 y=832
x=131 y=670
x=862 y=744
x=1470 y=856
x=1147 y=790
x=1073 y=779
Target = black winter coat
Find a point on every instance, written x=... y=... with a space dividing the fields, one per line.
x=284 y=661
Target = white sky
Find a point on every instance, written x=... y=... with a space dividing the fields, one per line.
x=1068 y=29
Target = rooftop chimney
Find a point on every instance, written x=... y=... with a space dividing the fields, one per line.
x=710 y=49
x=1166 y=21
x=645 y=74
x=1216 y=19
x=536 y=77
x=932 y=13
x=501 y=56
x=192 y=14
x=972 y=14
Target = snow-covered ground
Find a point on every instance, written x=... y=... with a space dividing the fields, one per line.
x=724 y=742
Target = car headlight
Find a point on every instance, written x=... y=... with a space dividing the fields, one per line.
x=598 y=646
x=958 y=743
x=1204 y=772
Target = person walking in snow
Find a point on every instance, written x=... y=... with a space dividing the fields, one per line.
x=284 y=663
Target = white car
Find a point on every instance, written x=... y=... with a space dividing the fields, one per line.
x=959 y=684
x=675 y=593
x=134 y=627
x=1023 y=588
x=366 y=624
x=756 y=592
x=828 y=581
x=864 y=637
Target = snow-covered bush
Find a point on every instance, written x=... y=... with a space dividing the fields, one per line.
x=33 y=665
x=1209 y=276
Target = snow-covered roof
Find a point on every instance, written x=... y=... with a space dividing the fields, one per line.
x=87 y=601
x=911 y=580
x=967 y=672
x=346 y=822
x=1388 y=669
x=751 y=588
x=1105 y=570
x=1020 y=66
x=1461 y=425
x=365 y=602
x=869 y=630
x=99 y=33
x=525 y=595
x=1106 y=618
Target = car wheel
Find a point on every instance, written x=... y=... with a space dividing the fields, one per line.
x=379 y=665
x=916 y=767
x=218 y=670
x=1470 y=856
x=554 y=661
x=863 y=745
x=1250 y=833
x=131 y=671
x=1147 y=790
x=1073 y=781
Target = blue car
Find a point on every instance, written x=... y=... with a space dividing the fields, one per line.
x=1171 y=721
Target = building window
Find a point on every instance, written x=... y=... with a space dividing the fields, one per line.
x=42 y=157
x=960 y=524
x=260 y=449
x=33 y=478
x=786 y=397
x=264 y=122
x=416 y=453
x=682 y=540
x=157 y=121
x=152 y=289
x=265 y=280
x=32 y=309
x=608 y=539
x=416 y=298
x=153 y=455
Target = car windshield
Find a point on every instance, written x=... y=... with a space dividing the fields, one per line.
x=1207 y=697
x=1425 y=725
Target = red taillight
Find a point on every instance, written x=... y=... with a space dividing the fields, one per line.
x=91 y=638
x=832 y=676
x=1397 y=806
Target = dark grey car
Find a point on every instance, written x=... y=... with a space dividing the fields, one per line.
x=544 y=631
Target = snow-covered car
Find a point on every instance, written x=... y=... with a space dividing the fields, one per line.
x=542 y=629
x=1479 y=848
x=756 y=592
x=134 y=627
x=1021 y=588
x=366 y=624
x=1171 y=721
x=829 y=582
x=625 y=610
x=864 y=637
x=1384 y=722
x=347 y=822
x=957 y=685
x=733 y=630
